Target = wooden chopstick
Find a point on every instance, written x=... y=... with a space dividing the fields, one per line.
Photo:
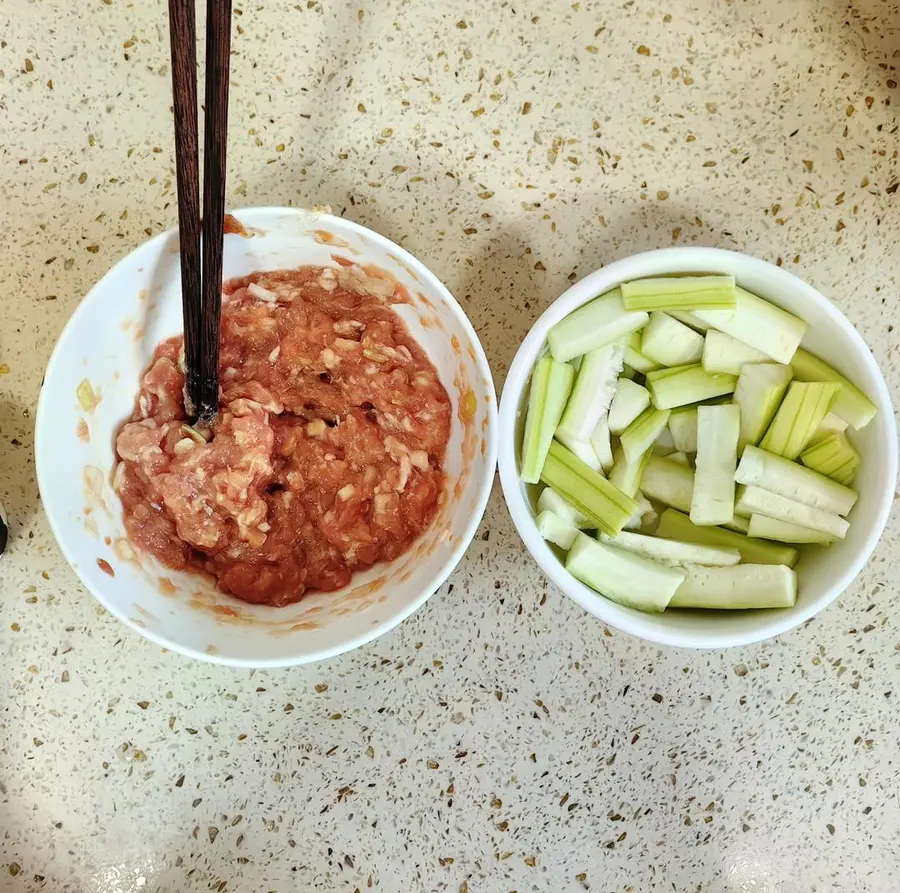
x=218 y=51
x=183 y=36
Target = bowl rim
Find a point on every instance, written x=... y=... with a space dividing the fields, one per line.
x=43 y=435
x=666 y=261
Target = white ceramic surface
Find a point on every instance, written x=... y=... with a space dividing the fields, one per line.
x=823 y=573
x=109 y=340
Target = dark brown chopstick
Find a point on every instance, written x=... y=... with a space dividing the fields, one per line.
x=218 y=52
x=201 y=278
x=183 y=35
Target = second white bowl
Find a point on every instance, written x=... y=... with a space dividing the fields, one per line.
x=823 y=573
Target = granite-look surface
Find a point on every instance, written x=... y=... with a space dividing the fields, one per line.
x=500 y=739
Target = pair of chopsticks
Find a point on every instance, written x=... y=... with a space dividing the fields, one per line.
x=201 y=284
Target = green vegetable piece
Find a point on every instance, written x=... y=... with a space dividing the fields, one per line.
x=682 y=385
x=680 y=293
x=722 y=353
x=551 y=384
x=629 y=401
x=756 y=501
x=623 y=577
x=683 y=426
x=551 y=501
x=668 y=482
x=626 y=473
x=851 y=404
x=760 y=324
x=607 y=507
x=759 y=392
x=592 y=325
x=594 y=387
x=765 y=528
x=717 y=438
x=832 y=456
x=639 y=436
x=778 y=475
x=737 y=588
x=672 y=552
x=669 y=342
x=799 y=417
x=555 y=530
x=675 y=525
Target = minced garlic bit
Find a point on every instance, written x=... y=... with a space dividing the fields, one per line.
x=86 y=396
x=262 y=293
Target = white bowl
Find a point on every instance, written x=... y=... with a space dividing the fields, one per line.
x=823 y=573
x=110 y=339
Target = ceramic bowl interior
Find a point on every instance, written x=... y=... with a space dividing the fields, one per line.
x=109 y=341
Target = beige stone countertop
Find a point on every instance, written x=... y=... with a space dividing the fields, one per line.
x=499 y=740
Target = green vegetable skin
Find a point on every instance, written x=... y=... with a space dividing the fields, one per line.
x=551 y=501
x=672 y=552
x=551 y=384
x=735 y=588
x=799 y=417
x=834 y=457
x=760 y=324
x=587 y=490
x=674 y=525
x=621 y=576
x=592 y=325
x=681 y=385
x=626 y=473
x=633 y=356
x=759 y=392
x=851 y=404
x=669 y=342
x=680 y=293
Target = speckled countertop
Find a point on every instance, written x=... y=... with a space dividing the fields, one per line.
x=500 y=739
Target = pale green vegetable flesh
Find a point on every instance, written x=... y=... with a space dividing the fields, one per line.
x=759 y=392
x=674 y=553
x=629 y=401
x=830 y=424
x=680 y=293
x=798 y=418
x=690 y=319
x=551 y=501
x=626 y=473
x=590 y=493
x=668 y=482
x=601 y=444
x=686 y=384
x=623 y=577
x=851 y=404
x=717 y=438
x=737 y=588
x=643 y=517
x=582 y=449
x=755 y=500
x=551 y=384
x=834 y=457
x=669 y=342
x=722 y=353
x=680 y=458
x=555 y=530
x=633 y=356
x=778 y=475
x=760 y=324
x=765 y=528
x=599 y=322
x=639 y=436
x=683 y=426
x=592 y=394
x=675 y=525
x=741 y=525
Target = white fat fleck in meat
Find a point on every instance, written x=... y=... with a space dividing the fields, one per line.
x=274 y=355
x=144 y=405
x=118 y=477
x=349 y=327
x=346 y=492
x=229 y=373
x=419 y=459
x=405 y=471
x=244 y=407
x=403 y=350
x=329 y=358
x=345 y=344
x=327 y=280
x=185 y=445
x=316 y=428
x=263 y=294
x=396 y=449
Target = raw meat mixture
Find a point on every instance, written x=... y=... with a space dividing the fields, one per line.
x=326 y=455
